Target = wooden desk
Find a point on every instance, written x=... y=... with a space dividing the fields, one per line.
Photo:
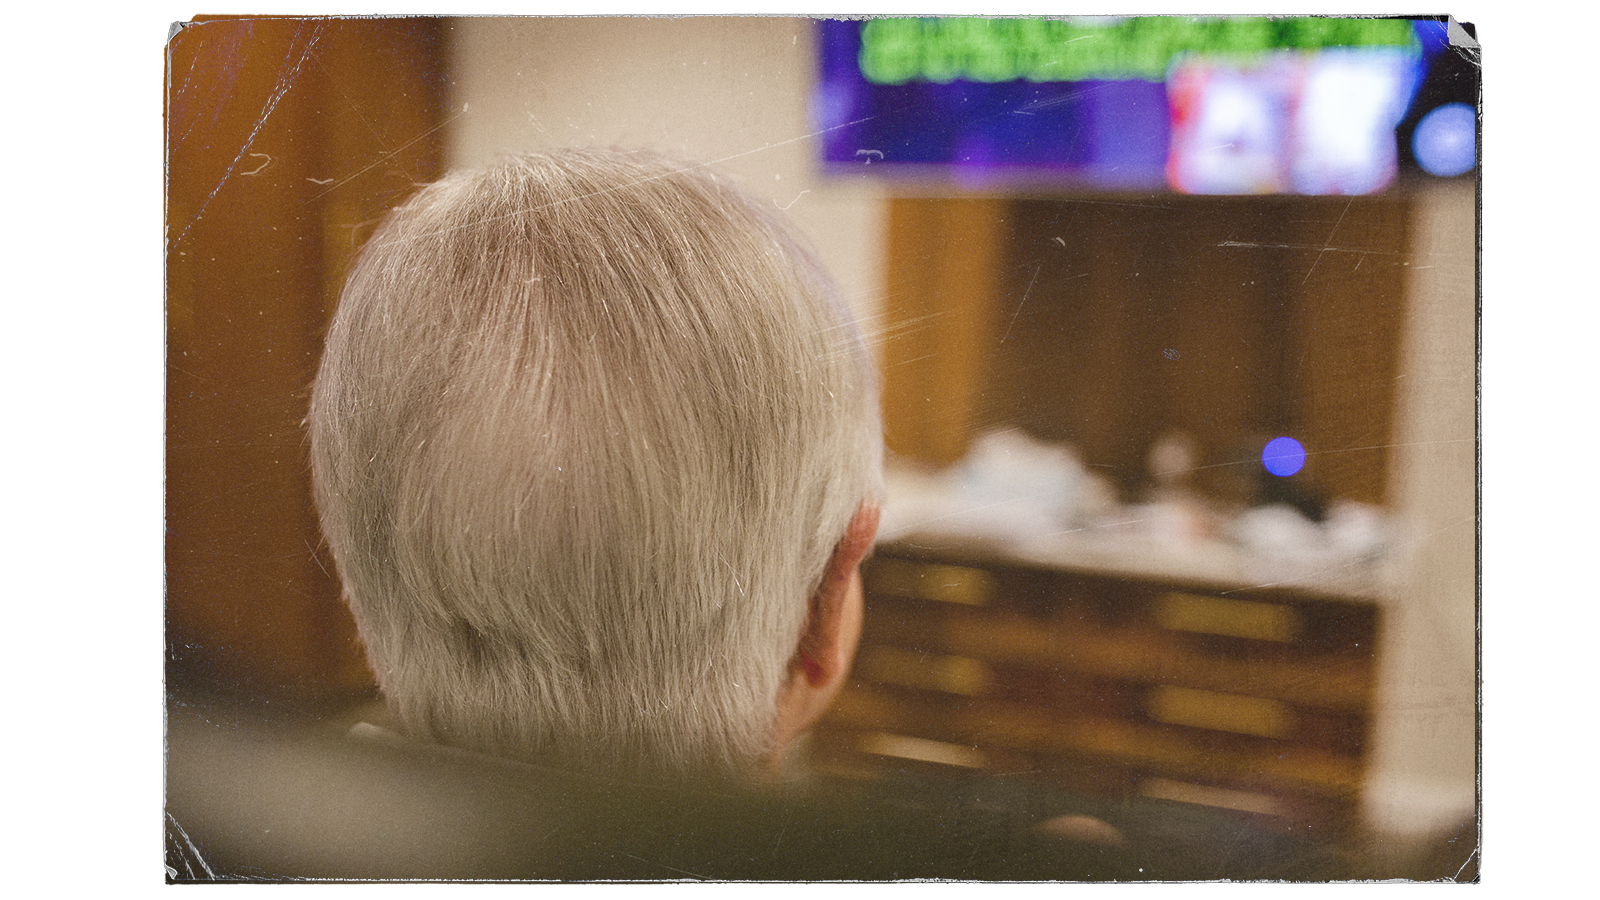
x=1257 y=700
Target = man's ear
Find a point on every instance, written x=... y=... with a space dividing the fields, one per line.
x=833 y=627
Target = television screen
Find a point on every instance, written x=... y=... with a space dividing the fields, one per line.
x=1234 y=105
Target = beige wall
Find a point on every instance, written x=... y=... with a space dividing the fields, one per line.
x=733 y=92
x=1424 y=765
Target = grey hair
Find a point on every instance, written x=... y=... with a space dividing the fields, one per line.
x=587 y=428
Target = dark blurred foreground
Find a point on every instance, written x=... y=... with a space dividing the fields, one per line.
x=253 y=800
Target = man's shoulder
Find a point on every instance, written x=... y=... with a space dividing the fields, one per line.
x=373 y=805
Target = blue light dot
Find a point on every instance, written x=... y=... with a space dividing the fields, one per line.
x=1283 y=456
x=1446 y=140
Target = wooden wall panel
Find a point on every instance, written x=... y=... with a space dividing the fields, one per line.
x=287 y=140
x=1117 y=320
x=1347 y=329
x=1068 y=365
x=944 y=256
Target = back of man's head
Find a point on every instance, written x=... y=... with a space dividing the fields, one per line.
x=588 y=428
